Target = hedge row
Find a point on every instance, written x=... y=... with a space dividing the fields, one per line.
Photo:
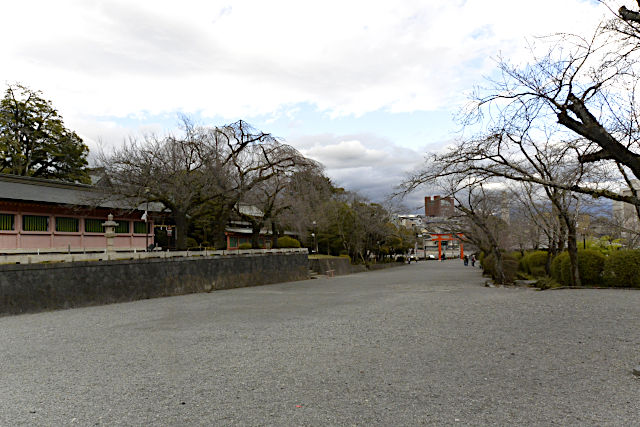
x=590 y=267
x=533 y=263
x=619 y=269
x=622 y=269
x=283 y=242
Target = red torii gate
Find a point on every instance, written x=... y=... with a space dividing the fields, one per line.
x=439 y=237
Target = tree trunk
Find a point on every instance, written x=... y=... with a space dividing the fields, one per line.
x=220 y=226
x=572 y=246
x=551 y=253
x=500 y=277
x=561 y=235
x=182 y=225
x=255 y=234
x=274 y=235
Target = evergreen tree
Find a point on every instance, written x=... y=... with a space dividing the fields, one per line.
x=35 y=142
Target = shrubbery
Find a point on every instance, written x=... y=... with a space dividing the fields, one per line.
x=622 y=269
x=191 y=243
x=288 y=242
x=618 y=268
x=244 y=246
x=556 y=272
x=533 y=263
x=590 y=267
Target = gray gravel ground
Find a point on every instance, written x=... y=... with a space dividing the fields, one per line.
x=420 y=344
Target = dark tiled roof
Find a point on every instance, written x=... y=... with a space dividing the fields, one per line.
x=14 y=187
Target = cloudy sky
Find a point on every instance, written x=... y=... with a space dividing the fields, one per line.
x=365 y=87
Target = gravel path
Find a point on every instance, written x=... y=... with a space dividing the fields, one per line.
x=424 y=343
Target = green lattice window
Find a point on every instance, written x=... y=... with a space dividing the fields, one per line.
x=140 y=227
x=35 y=223
x=6 y=221
x=233 y=242
x=93 y=225
x=122 y=227
x=71 y=225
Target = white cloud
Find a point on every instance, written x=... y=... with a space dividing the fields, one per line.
x=108 y=134
x=251 y=57
x=346 y=154
x=364 y=163
x=101 y=62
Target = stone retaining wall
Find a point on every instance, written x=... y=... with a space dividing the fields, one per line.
x=342 y=266
x=39 y=287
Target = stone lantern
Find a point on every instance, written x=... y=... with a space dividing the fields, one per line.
x=110 y=231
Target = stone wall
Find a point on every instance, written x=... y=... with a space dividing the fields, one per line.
x=39 y=287
x=342 y=266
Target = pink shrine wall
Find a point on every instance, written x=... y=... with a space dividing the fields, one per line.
x=18 y=238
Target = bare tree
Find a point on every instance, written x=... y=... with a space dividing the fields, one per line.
x=567 y=121
x=542 y=218
x=586 y=87
x=481 y=223
x=203 y=172
x=278 y=194
x=171 y=170
x=261 y=159
x=525 y=228
x=303 y=201
x=511 y=153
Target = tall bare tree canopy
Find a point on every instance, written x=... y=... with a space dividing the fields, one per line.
x=285 y=196
x=567 y=121
x=204 y=171
x=583 y=93
x=34 y=140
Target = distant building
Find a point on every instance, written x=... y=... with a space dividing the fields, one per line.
x=438 y=206
x=411 y=221
x=239 y=232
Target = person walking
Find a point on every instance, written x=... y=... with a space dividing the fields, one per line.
x=466 y=260
x=473 y=260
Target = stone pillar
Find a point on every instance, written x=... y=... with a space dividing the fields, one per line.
x=110 y=232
